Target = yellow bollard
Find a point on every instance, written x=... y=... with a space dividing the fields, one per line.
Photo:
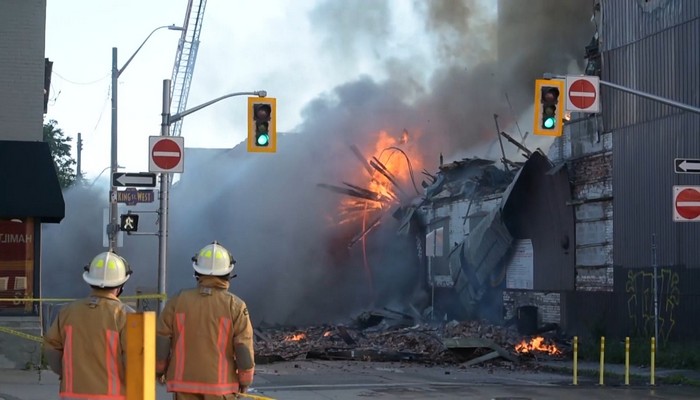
x=575 y=360
x=653 y=360
x=141 y=356
x=627 y=360
x=602 y=360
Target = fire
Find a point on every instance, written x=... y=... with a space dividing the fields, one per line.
x=381 y=192
x=327 y=334
x=537 y=344
x=387 y=181
x=295 y=337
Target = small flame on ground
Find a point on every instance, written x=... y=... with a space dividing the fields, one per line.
x=327 y=334
x=536 y=344
x=296 y=337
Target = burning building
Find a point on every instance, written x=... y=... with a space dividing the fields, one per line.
x=307 y=256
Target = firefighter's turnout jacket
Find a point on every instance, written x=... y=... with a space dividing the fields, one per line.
x=205 y=340
x=89 y=337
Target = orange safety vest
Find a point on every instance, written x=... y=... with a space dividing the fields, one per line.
x=90 y=334
x=203 y=327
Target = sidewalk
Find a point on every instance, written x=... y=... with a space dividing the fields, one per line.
x=18 y=384
x=616 y=372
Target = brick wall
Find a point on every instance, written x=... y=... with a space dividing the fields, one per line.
x=22 y=39
x=591 y=176
x=548 y=304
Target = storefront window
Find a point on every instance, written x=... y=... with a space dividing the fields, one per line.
x=16 y=265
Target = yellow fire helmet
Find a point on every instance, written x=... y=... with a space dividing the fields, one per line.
x=107 y=270
x=213 y=260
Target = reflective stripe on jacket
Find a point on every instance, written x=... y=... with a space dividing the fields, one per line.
x=204 y=326
x=90 y=335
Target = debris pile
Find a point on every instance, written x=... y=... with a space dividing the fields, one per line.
x=379 y=336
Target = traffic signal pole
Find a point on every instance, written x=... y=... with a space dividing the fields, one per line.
x=672 y=103
x=163 y=209
x=166 y=121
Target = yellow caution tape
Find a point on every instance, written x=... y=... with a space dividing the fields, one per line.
x=21 y=334
x=59 y=300
x=253 y=396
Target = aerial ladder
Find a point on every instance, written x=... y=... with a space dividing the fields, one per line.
x=185 y=59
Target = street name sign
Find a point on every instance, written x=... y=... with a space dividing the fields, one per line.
x=687 y=166
x=686 y=203
x=131 y=196
x=166 y=154
x=583 y=94
x=134 y=179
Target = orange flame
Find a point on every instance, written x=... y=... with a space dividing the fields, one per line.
x=385 y=150
x=295 y=337
x=537 y=344
x=328 y=333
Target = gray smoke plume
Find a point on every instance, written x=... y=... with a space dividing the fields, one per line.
x=293 y=261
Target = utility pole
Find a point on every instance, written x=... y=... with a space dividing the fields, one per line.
x=78 y=167
x=112 y=226
x=164 y=193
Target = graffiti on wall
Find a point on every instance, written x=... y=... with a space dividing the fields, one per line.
x=640 y=301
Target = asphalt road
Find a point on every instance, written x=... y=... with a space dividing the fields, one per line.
x=340 y=380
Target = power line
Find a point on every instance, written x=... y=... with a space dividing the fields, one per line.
x=81 y=83
x=104 y=106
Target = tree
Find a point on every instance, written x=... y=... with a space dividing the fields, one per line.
x=60 y=151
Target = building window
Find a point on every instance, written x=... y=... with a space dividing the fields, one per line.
x=20 y=283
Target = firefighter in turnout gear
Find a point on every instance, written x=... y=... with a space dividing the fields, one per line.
x=204 y=347
x=86 y=343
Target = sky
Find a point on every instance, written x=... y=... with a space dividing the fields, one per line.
x=345 y=73
x=243 y=47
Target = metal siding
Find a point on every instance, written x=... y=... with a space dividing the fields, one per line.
x=643 y=178
x=644 y=18
x=654 y=52
x=651 y=46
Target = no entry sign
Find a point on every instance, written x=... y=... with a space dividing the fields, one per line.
x=686 y=203
x=166 y=154
x=583 y=94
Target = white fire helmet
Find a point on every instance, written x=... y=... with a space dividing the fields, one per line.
x=214 y=260
x=107 y=270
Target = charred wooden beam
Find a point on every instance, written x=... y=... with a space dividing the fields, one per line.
x=346 y=336
x=362 y=234
x=376 y=164
x=378 y=196
x=349 y=192
x=517 y=144
x=362 y=159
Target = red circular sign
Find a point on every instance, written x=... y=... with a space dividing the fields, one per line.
x=582 y=94
x=166 y=154
x=688 y=203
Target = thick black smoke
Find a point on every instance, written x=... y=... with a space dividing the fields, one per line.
x=294 y=265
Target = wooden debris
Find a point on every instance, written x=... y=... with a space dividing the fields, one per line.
x=389 y=335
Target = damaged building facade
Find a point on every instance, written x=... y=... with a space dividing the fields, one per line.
x=498 y=242
x=568 y=239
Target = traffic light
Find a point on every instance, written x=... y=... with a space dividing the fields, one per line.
x=262 y=125
x=129 y=223
x=549 y=107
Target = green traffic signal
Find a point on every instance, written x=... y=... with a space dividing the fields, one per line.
x=263 y=139
x=549 y=122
